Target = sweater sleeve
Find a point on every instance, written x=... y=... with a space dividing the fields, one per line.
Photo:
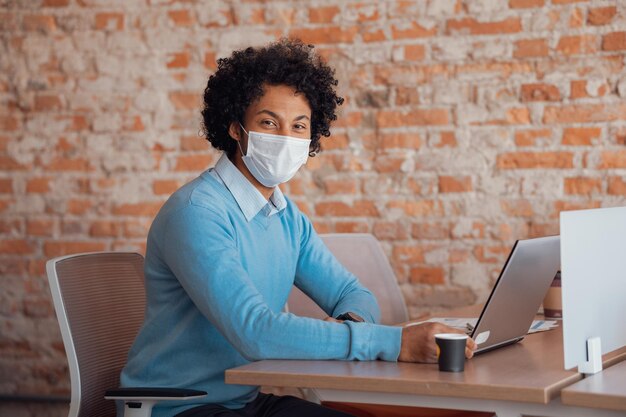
x=323 y=278
x=199 y=246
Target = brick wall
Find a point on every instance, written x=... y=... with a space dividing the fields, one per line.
x=467 y=124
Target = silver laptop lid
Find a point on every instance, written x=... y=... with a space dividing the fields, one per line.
x=518 y=292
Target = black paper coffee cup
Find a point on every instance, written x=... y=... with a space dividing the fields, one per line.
x=451 y=351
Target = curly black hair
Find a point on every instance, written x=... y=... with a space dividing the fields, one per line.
x=240 y=78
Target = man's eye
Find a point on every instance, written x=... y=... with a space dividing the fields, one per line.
x=268 y=123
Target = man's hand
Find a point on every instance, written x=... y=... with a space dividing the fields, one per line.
x=418 y=342
x=333 y=320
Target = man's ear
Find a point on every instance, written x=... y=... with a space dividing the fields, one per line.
x=234 y=131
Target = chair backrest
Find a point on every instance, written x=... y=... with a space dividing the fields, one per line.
x=99 y=300
x=362 y=255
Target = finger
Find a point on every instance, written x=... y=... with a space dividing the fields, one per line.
x=471 y=344
x=469 y=353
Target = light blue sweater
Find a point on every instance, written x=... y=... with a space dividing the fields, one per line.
x=216 y=285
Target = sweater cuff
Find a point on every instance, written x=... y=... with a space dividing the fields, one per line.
x=372 y=341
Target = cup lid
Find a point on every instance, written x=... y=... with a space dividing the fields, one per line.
x=451 y=336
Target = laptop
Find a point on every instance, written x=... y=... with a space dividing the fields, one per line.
x=518 y=293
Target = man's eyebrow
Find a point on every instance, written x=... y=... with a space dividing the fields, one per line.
x=271 y=113
x=274 y=115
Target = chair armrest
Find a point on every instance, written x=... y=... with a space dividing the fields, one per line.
x=158 y=394
x=138 y=402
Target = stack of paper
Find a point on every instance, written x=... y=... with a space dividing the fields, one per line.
x=467 y=324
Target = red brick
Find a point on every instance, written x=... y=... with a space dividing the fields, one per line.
x=390 y=230
x=43 y=23
x=407 y=95
x=8 y=123
x=335 y=141
x=458 y=256
x=178 y=60
x=581 y=136
x=379 y=35
x=105 y=228
x=138 y=209
x=568 y=1
x=352 y=227
x=10 y=164
x=362 y=208
x=584 y=113
x=531 y=137
x=38 y=185
x=65 y=164
x=136 y=228
x=601 y=15
x=427 y=275
x=6 y=186
x=109 y=21
x=525 y=4
x=417 y=208
x=323 y=14
x=325 y=35
x=421 y=117
x=540 y=92
x=582 y=185
x=414 y=31
x=55 y=3
x=399 y=141
x=414 y=52
x=615 y=41
x=412 y=253
x=531 y=48
x=193 y=143
x=194 y=163
x=385 y=163
x=185 y=101
x=575 y=45
x=181 y=17
x=449 y=184
x=526 y=160
x=47 y=103
x=474 y=27
x=167 y=187
x=616 y=186
x=491 y=254
x=16 y=247
x=576 y=18
x=446 y=139
x=613 y=159
x=53 y=249
x=210 y=61
x=340 y=186
x=578 y=89
x=517 y=208
x=78 y=207
x=434 y=231
x=40 y=227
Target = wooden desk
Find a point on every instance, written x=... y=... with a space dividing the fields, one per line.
x=525 y=378
x=606 y=389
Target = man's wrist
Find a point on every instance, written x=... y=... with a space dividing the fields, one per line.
x=350 y=316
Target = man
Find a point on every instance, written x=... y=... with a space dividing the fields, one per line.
x=225 y=250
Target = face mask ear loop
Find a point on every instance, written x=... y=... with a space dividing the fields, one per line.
x=239 y=141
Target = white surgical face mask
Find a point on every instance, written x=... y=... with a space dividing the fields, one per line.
x=274 y=159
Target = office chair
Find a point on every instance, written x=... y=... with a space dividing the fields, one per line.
x=99 y=300
x=362 y=255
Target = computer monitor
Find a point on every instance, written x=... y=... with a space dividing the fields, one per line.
x=593 y=283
